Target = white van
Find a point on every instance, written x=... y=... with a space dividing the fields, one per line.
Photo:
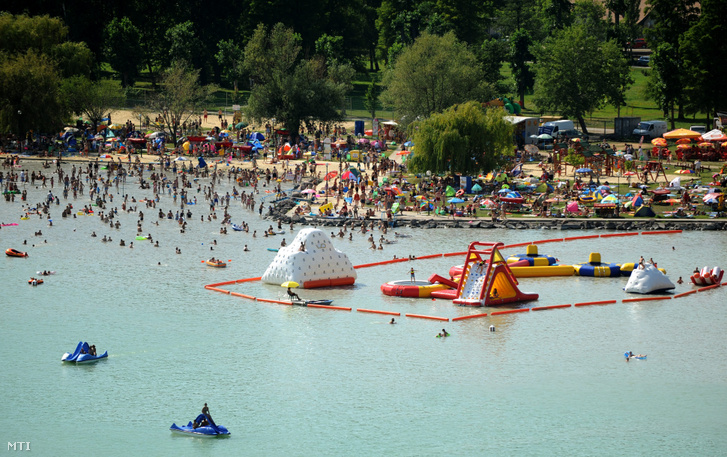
x=650 y=129
x=555 y=127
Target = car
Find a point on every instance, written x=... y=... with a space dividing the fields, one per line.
x=698 y=128
x=639 y=43
x=570 y=134
x=643 y=61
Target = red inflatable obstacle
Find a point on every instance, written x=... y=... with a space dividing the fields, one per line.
x=486 y=279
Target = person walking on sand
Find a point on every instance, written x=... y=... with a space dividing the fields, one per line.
x=204 y=115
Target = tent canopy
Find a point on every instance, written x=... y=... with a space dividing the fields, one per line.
x=681 y=133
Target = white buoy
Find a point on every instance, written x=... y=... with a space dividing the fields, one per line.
x=492 y=328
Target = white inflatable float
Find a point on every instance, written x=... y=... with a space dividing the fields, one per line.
x=648 y=280
x=319 y=265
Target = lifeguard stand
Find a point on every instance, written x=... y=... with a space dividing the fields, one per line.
x=487 y=280
x=654 y=169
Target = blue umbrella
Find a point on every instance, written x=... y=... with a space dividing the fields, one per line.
x=408 y=143
x=455 y=200
x=583 y=170
x=257 y=136
x=503 y=191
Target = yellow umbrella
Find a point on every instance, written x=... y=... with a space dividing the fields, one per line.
x=658 y=142
x=290 y=284
x=705 y=145
x=681 y=133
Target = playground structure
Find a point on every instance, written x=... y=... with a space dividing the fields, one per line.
x=486 y=279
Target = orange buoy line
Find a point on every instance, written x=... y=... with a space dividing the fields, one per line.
x=629 y=300
x=602 y=302
x=510 y=311
x=516 y=245
x=423 y=316
x=342 y=308
x=585 y=237
x=451 y=254
x=713 y=286
x=216 y=289
x=661 y=232
x=542 y=308
x=248 y=279
x=226 y=283
x=237 y=294
x=683 y=294
x=611 y=235
x=471 y=316
x=375 y=311
x=430 y=256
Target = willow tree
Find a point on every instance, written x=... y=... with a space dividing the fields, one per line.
x=464 y=138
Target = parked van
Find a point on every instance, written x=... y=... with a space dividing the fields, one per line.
x=555 y=128
x=698 y=128
x=650 y=129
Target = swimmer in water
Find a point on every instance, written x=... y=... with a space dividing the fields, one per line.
x=392 y=321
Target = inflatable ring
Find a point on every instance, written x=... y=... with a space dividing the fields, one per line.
x=537 y=260
x=415 y=289
x=459 y=193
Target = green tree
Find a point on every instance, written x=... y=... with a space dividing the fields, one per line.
x=29 y=94
x=556 y=14
x=123 y=49
x=491 y=54
x=706 y=56
x=431 y=75
x=21 y=33
x=230 y=59
x=671 y=19
x=520 y=56
x=464 y=138
x=179 y=97
x=73 y=59
x=184 y=45
x=93 y=100
x=576 y=74
x=664 y=80
x=287 y=88
x=371 y=99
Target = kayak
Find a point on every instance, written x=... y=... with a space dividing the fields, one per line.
x=35 y=282
x=81 y=355
x=15 y=253
x=311 y=302
x=272 y=250
x=216 y=263
x=212 y=430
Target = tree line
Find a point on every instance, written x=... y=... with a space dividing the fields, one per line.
x=298 y=59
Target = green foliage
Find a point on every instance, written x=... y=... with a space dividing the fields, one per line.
x=29 y=93
x=73 y=59
x=184 y=45
x=491 y=54
x=230 y=58
x=705 y=56
x=431 y=75
x=21 y=33
x=330 y=47
x=180 y=97
x=93 y=100
x=574 y=158
x=463 y=139
x=288 y=89
x=556 y=14
x=520 y=56
x=589 y=15
x=576 y=74
x=518 y=14
x=372 y=96
x=122 y=44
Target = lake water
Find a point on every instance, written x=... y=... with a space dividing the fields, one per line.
x=298 y=381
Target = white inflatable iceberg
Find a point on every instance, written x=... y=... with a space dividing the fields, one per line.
x=648 y=280
x=318 y=265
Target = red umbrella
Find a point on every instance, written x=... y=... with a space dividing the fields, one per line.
x=330 y=175
x=402 y=153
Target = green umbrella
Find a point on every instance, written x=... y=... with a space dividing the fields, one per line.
x=241 y=125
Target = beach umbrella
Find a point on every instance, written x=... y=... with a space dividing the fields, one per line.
x=449 y=192
x=403 y=153
x=584 y=170
x=658 y=142
x=330 y=175
x=455 y=200
x=241 y=125
x=681 y=133
x=487 y=202
x=610 y=199
x=347 y=175
x=629 y=173
x=672 y=201
x=476 y=188
x=257 y=136
x=683 y=146
x=309 y=191
x=705 y=145
x=711 y=196
x=576 y=140
x=503 y=190
x=683 y=141
x=714 y=135
x=544 y=136
x=290 y=284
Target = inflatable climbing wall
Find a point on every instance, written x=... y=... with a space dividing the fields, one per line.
x=319 y=265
